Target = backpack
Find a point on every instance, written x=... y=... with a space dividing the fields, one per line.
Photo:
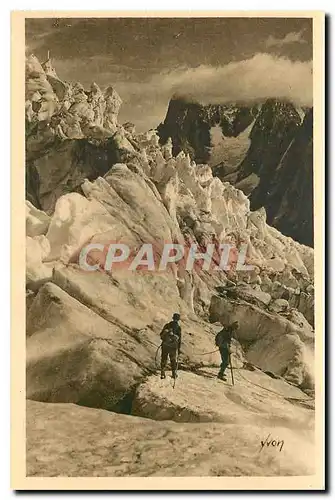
x=223 y=336
x=169 y=337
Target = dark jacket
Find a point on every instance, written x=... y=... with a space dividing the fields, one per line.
x=223 y=337
x=171 y=335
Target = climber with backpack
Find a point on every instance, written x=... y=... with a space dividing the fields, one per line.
x=171 y=342
x=222 y=340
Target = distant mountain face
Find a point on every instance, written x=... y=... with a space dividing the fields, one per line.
x=291 y=210
x=275 y=167
x=274 y=129
x=189 y=124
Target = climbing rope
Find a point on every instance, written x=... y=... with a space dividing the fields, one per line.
x=158 y=348
x=232 y=367
x=270 y=390
x=205 y=353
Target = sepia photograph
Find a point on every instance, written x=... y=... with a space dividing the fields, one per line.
x=167 y=316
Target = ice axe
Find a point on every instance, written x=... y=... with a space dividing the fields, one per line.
x=174 y=380
x=231 y=368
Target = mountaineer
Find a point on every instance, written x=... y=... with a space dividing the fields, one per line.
x=171 y=341
x=222 y=340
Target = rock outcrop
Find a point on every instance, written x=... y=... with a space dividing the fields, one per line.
x=292 y=211
x=274 y=129
x=281 y=158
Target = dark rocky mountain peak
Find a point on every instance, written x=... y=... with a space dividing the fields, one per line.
x=188 y=123
x=274 y=129
x=291 y=209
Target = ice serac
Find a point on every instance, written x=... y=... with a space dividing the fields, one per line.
x=37 y=270
x=68 y=129
x=37 y=221
x=113 y=103
x=41 y=101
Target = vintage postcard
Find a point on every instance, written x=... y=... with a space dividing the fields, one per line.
x=167 y=236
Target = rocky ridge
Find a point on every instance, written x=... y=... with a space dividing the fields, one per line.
x=188 y=124
x=92 y=337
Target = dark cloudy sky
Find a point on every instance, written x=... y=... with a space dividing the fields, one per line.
x=147 y=60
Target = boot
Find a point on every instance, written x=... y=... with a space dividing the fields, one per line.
x=162 y=375
x=221 y=376
x=174 y=374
